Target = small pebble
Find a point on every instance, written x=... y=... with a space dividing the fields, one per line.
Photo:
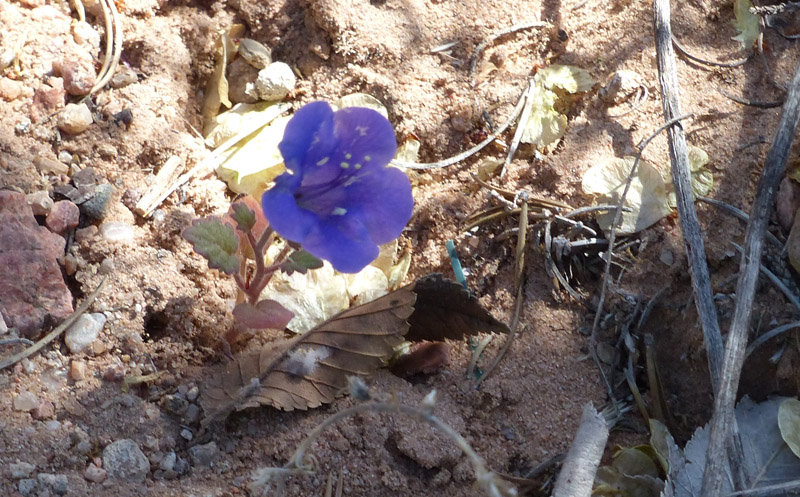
x=85 y=331
x=84 y=33
x=77 y=370
x=40 y=202
x=74 y=119
x=181 y=466
x=107 y=150
x=78 y=78
x=204 y=455
x=57 y=484
x=46 y=165
x=70 y=264
x=65 y=157
x=116 y=232
x=186 y=434
x=28 y=365
x=21 y=470
x=63 y=216
x=25 y=402
x=86 y=177
x=151 y=442
x=256 y=54
x=192 y=414
x=274 y=82
x=26 y=486
x=44 y=410
x=124 y=77
x=47 y=100
x=53 y=425
x=192 y=393
x=95 y=474
x=124 y=460
x=667 y=257
x=10 y=89
x=130 y=197
x=4 y=326
x=97 y=206
x=85 y=234
x=168 y=462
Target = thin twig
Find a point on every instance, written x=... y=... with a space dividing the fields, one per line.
x=523 y=120
x=740 y=215
x=10 y=361
x=774 y=166
x=775 y=280
x=751 y=103
x=473 y=61
x=113 y=38
x=682 y=49
x=763 y=57
x=761 y=340
x=15 y=340
x=681 y=179
x=577 y=475
x=595 y=208
x=477 y=148
x=519 y=282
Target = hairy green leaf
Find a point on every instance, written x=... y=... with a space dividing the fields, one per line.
x=746 y=23
x=216 y=241
x=300 y=261
x=245 y=218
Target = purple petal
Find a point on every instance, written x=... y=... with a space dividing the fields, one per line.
x=284 y=215
x=344 y=242
x=308 y=137
x=366 y=135
x=384 y=201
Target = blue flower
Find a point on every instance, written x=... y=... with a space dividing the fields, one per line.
x=337 y=198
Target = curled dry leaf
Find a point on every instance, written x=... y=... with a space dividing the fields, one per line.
x=312 y=369
x=216 y=92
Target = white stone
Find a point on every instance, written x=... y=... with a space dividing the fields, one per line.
x=124 y=460
x=40 y=202
x=85 y=331
x=274 y=82
x=74 y=119
x=116 y=232
x=25 y=401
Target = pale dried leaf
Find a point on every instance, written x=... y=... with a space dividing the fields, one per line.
x=789 y=424
x=647 y=196
x=216 y=91
x=570 y=78
x=362 y=100
x=312 y=369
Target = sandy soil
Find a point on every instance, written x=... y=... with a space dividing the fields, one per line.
x=166 y=312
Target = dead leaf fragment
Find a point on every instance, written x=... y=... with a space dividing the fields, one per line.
x=444 y=309
x=312 y=369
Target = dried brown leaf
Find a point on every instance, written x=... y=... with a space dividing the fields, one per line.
x=444 y=309
x=312 y=369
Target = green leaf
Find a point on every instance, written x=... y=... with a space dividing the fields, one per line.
x=244 y=217
x=216 y=241
x=789 y=424
x=746 y=23
x=300 y=261
x=265 y=314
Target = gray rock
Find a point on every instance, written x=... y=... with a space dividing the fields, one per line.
x=204 y=455
x=58 y=484
x=25 y=401
x=26 y=486
x=116 y=232
x=181 y=466
x=187 y=434
x=21 y=470
x=256 y=54
x=193 y=393
x=274 y=82
x=85 y=331
x=95 y=474
x=192 y=414
x=74 y=119
x=97 y=206
x=85 y=177
x=125 y=461
x=32 y=288
x=168 y=462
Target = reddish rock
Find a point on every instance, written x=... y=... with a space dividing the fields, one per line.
x=32 y=289
x=46 y=101
x=78 y=79
x=63 y=217
x=45 y=410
